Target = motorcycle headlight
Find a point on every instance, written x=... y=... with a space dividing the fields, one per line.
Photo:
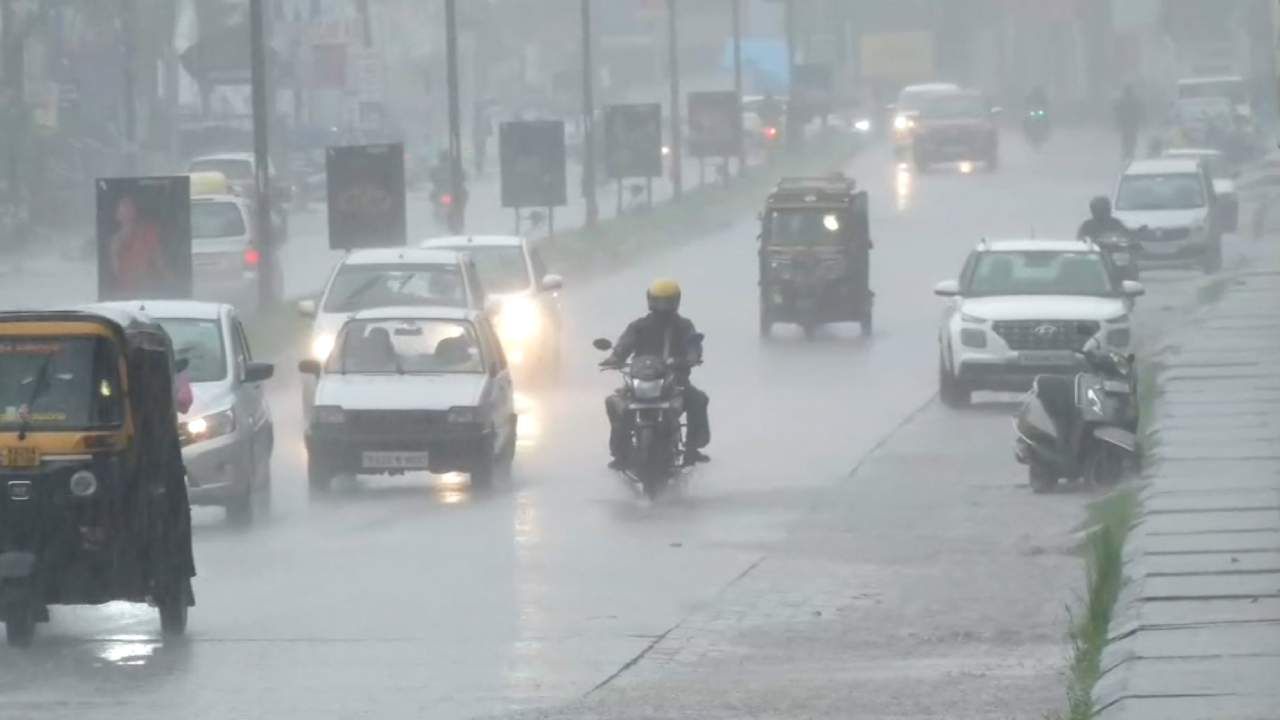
x=464 y=415
x=321 y=346
x=208 y=427
x=519 y=320
x=328 y=415
x=647 y=389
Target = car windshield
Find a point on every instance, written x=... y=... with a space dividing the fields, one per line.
x=407 y=347
x=1039 y=273
x=946 y=106
x=502 y=268
x=805 y=227
x=235 y=170
x=1174 y=191
x=360 y=287
x=58 y=383
x=216 y=219
x=200 y=343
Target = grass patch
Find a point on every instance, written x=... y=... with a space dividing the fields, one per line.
x=703 y=209
x=1110 y=520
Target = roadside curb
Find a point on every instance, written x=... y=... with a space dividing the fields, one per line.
x=1196 y=629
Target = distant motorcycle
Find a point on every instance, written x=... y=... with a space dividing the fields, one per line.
x=1081 y=427
x=1036 y=127
x=653 y=408
x=1123 y=252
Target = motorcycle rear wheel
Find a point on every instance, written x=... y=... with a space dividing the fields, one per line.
x=1105 y=466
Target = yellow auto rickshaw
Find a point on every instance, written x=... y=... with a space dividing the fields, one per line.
x=93 y=498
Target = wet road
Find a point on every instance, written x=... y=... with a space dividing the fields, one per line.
x=418 y=598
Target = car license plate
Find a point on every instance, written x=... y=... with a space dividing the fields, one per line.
x=21 y=457
x=1047 y=357
x=395 y=460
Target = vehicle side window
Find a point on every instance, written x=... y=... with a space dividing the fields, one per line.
x=489 y=339
x=966 y=273
x=477 y=290
x=239 y=348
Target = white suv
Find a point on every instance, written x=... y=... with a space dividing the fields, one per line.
x=1171 y=205
x=1026 y=307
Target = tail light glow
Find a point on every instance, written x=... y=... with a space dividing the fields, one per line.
x=252 y=256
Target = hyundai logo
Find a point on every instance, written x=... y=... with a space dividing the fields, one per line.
x=1045 y=331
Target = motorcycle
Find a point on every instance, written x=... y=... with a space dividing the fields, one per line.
x=1123 y=253
x=1036 y=127
x=652 y=409
x=1081 y=427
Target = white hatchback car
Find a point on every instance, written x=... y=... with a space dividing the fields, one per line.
x=1022 y=308
x=400 y=277
x=228 y=434
x=526 y=296
x=1173 y=207
x=410 y=390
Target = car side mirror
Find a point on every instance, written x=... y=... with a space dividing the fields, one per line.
x=602 y=344
x=947 y=288
x=309 y=366
x=307 y=308
x=256 y=372
x=1132 y=289
x=552 y=282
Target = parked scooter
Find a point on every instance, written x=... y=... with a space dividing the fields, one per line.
x=1081 y=427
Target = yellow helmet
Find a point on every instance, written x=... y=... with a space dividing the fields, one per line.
x=664 y=296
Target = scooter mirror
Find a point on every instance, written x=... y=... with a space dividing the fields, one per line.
x=602 y=344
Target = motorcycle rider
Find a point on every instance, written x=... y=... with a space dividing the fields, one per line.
x=664 y=333
x=1101 y=222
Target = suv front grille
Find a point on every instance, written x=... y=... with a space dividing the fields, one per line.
x=394 y=422
x=1045 y=334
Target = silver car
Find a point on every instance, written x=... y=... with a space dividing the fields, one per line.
x=227 y=434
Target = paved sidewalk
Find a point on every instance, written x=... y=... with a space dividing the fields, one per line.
x=1196 y=633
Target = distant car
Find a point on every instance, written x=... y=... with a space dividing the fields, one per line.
x=907 y=108
x=526 y=297
x=1021 y=308
x=1224 y=183
x=240 y=168
x=225 y=258
x=1172 y=204
x=955 y=126
x=401 y=277
x=412 y=389
x=227 y=435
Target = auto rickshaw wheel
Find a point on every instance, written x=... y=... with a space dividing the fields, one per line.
x=173 y=605
x=20 y=619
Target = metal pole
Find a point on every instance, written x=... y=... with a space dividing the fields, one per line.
x=261 y=152
x=794 y=128
x=673 y=62
x=128 y=18
x=457 y=211
x=588 y=121
x=736 y=8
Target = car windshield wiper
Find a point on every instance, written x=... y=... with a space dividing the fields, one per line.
x=359 y=292
x=41 y=387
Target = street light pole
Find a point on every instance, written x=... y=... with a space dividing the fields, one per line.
x=261 y=153
x=735 y=7
x=128 y=31
x=588 y=121
x=457 y=211
x=673 y=61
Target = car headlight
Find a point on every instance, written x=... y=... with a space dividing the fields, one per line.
x=519 y=320
x=902 y=122
x=973 y=337
x=321 y=346
x=328 y=415
x=464 y=415
x=862 y=126
x=213 y=425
